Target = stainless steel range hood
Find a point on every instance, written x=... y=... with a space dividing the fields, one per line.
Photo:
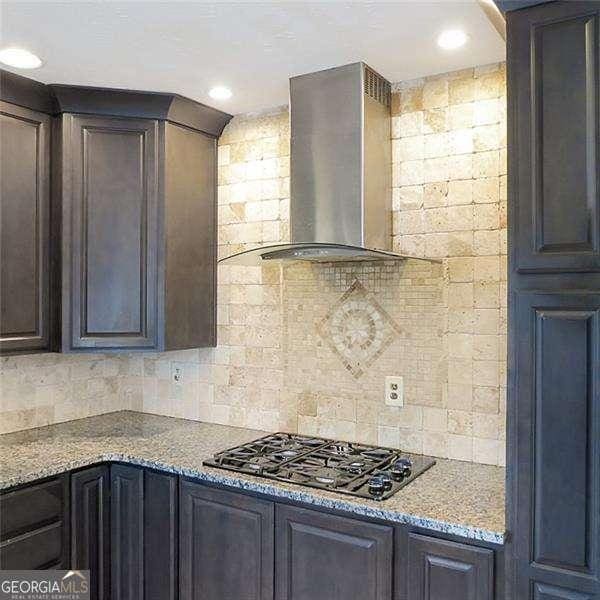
x=340 y=170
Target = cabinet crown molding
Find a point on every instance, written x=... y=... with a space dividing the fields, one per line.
x=58 y=98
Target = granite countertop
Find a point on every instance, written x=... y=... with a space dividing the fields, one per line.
x=460 y=498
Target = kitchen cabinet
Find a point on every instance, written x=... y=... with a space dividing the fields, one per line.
x=25 y=240
x=127 y=532
x=328 y=557
x=445 y=570
x=110 y=229
x=120 y=252
x=139 y=234
x=34 y=526
x=90 y=527
x=226 y=545
x=147 y=535
x=553 y=432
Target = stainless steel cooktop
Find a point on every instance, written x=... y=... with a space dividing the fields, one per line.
x=345 y=467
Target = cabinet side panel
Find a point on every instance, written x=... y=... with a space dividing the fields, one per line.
x=190 y=227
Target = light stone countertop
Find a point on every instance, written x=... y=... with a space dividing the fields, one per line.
x=459 y=498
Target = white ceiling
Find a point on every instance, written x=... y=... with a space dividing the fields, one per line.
x=251 y=47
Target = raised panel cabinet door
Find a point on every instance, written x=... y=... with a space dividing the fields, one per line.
x=557 y=420
x=90 y=528
x=24 y=229
x=127 y=533
x=444 y=570
x=161 y=578
x=226 y=545
x=328 y=557
x=554 y=143
x=110 y=229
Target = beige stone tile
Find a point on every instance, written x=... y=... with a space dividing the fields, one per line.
x=460 y=295
x=486 y=268
x=435 y=444
x=460 y=270
x=435 y=94
x=460 y=192
x=460 y=116
x=435 y=120
x=434 y=420
x=408 y=148
x=486 y=190
x=485 y=373
x=435 y=194
x=486 y=164
x=486 y=243
x=460 y=422
x=460 y=447
x=485 y=451
x=486 y=294
x=408 y=197
x=486 y=399
x=408 y=124
x=461 y=90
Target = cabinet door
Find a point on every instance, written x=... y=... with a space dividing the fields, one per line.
x=160 y=536
x=327 y=557
x=24 y=229
x=226 y=545
x=110 y=228
x=127 y=532
x=443 y=570
x=557 y=501
x=90 y=531
x=554 y=84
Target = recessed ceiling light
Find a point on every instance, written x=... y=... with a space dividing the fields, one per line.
x=452 y=39
x=19 y=58
x=220 y=92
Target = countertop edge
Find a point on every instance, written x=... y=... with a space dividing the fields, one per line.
x=229 y=480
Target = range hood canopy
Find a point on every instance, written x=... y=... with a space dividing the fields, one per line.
x=340 y=170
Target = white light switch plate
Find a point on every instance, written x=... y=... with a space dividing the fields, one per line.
x=394 y=391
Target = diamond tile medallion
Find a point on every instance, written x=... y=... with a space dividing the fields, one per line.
x=357 y=329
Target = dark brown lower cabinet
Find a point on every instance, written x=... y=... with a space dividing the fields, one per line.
x=327 y=557
x=226 y=545
x=90 y=530
x=161 y=535
x=444 y=570
x=34 y=526
x=127 y=532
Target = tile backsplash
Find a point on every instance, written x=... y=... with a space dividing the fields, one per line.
x=306 y=347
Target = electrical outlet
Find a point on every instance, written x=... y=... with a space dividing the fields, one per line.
x=176 y=375
x=394 y=391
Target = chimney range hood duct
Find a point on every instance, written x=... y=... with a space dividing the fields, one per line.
x=340 y=170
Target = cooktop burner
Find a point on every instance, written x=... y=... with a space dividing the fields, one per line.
x=345 y=467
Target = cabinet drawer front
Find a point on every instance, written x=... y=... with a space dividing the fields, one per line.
x=31 y=507
x=110 y=231
x=443 y=570
x=327 y=557
x=39 y=549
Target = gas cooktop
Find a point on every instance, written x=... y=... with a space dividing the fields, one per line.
x=348 y=468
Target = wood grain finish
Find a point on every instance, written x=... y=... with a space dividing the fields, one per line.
x=34 y=526
x=127 y=533
x=190 y=231
x=90 y=527
x=444 y=570
x=327 y=557
x=553 y=424
x=110 y=243
x=558 y=139
x=24 y=230
x=226 y=545
x=161 y=535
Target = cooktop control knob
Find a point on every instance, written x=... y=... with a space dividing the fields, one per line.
x=387 y=480
x=401 y=468
x=376 y=486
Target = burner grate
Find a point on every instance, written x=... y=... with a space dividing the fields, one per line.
x=345 y=467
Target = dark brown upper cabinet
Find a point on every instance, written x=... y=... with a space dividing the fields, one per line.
x=120 y=251
x=556 y=146
x=138 y=234
x=24 y=229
